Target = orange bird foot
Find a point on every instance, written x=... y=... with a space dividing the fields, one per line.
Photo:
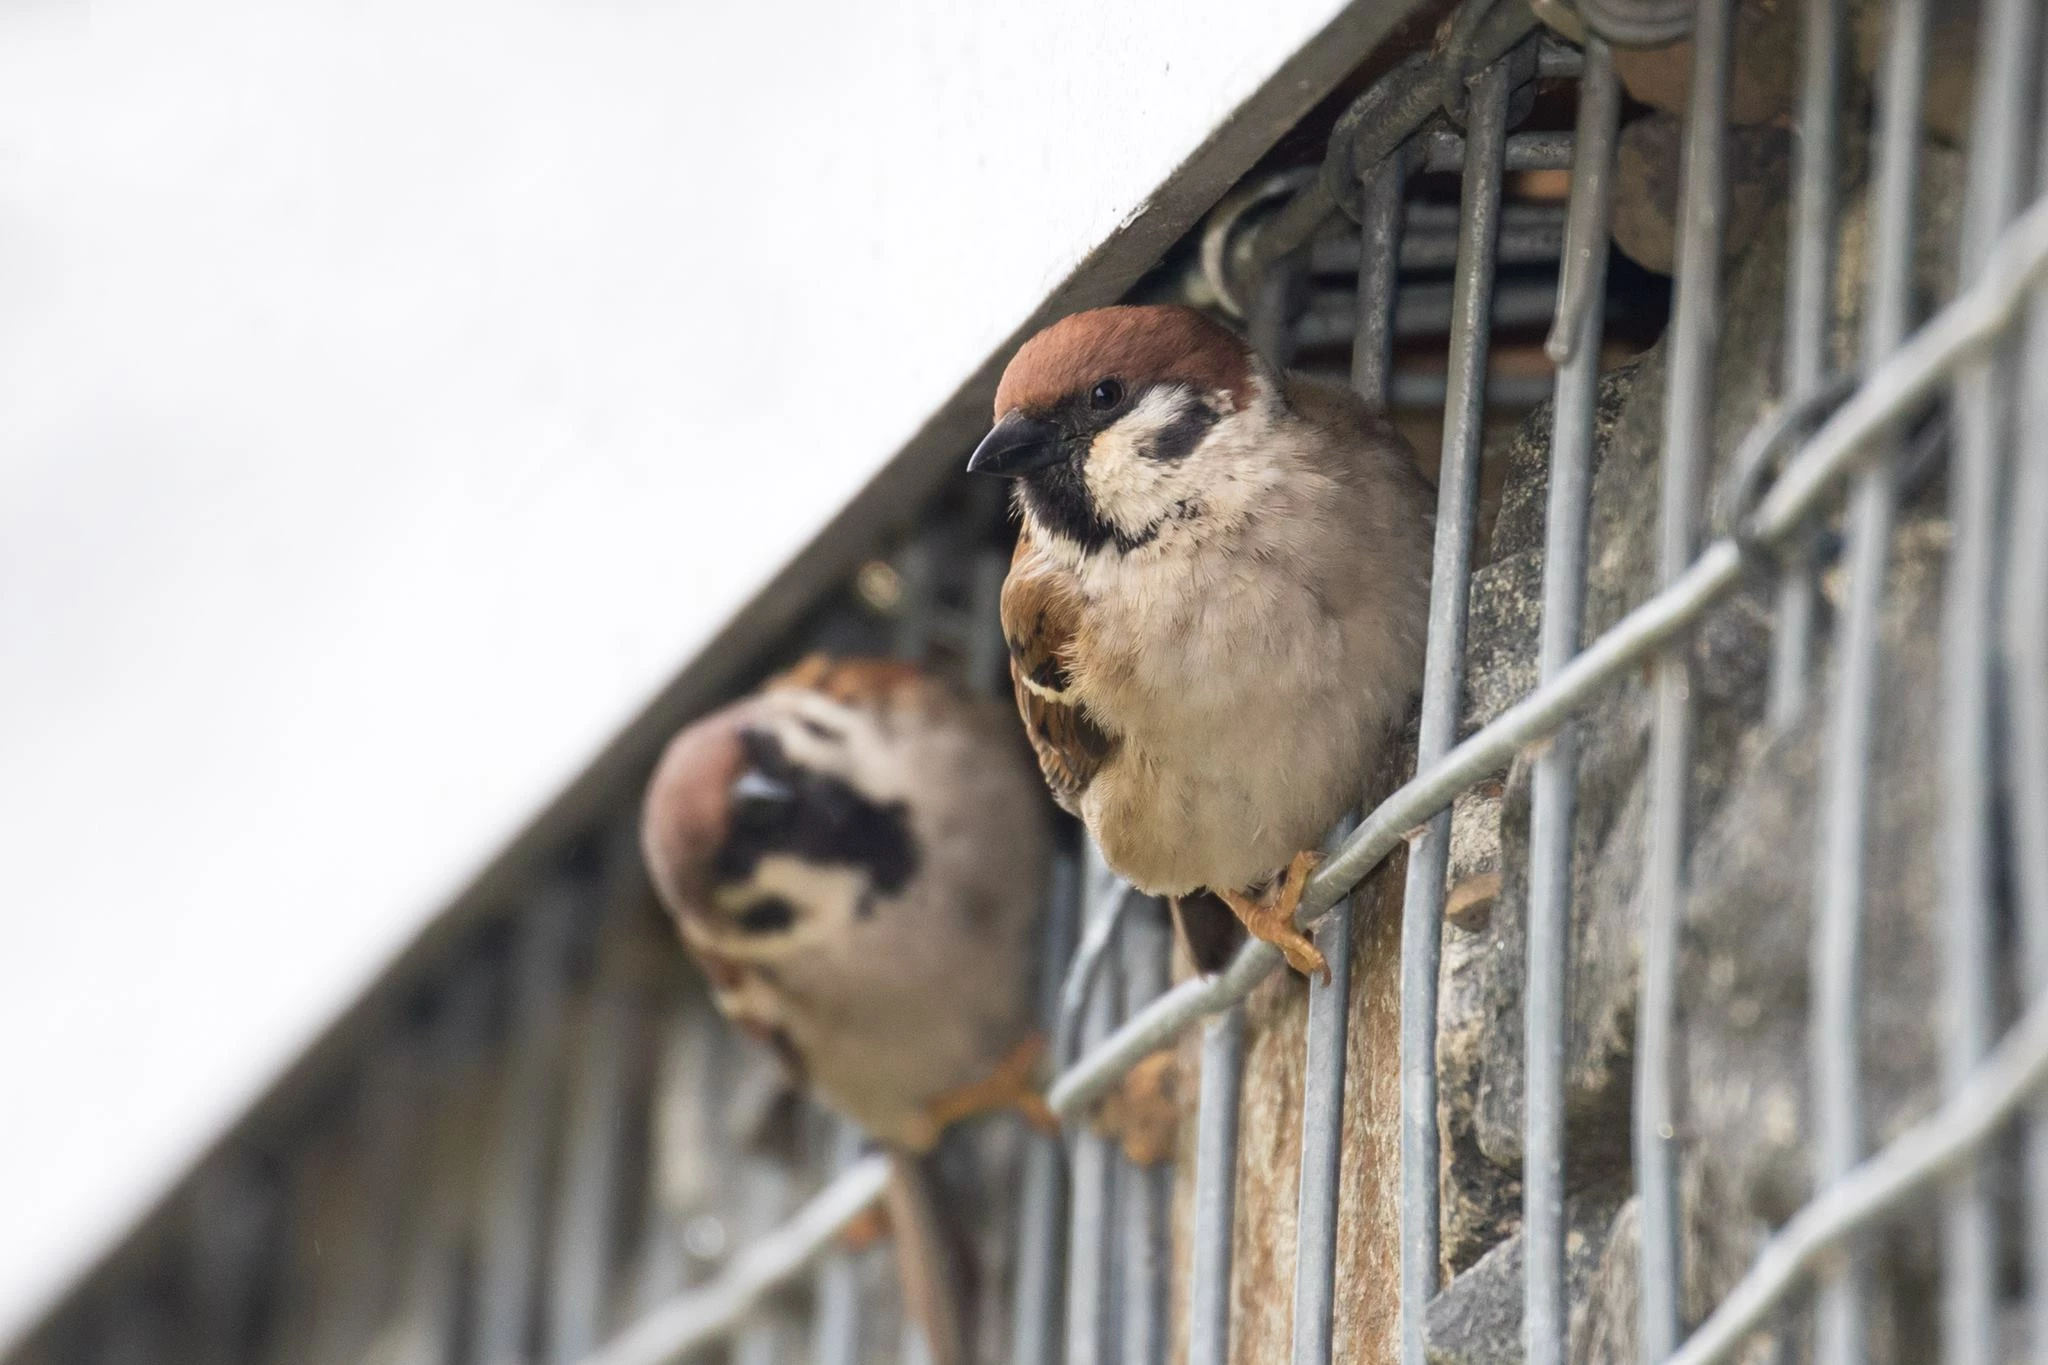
x=1271 y=916
x=1012 y=1085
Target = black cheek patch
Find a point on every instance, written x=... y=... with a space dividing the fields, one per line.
x=830 y=821
x=1177 y=439
x=770 y=915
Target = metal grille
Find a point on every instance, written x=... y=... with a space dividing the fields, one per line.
x=1976 y=350
x=1089 y=1270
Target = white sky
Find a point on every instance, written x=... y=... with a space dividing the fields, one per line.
x=396 y=393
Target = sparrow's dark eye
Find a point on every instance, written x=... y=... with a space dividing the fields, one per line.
x=1105 y=395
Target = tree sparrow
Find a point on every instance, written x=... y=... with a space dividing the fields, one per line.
x=1217 y=608
x=856 y=856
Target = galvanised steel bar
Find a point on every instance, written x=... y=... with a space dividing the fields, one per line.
x=2000 y=168
x=1092 y=1172
x=835 y=1321
x=704 y=1315
x=1423 y=309
x=514 y=1199
x=2014 y=1073
x=1443 y=688
x=1688 y=440
x=1322 y=1150
x=2026 y=743
x=1042 y=1205
x=1215 y=1186
x=1443 y=150
x=1842 y=1309
x=1808 y=316
x=1379 y=252
x=1530 y=234
x=1554 y=790
x=765 y=1201
x=1329 y=1006
x=1146 y=1191
x=593 y=1139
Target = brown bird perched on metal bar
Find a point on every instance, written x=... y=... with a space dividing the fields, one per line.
x=1218 y=605
x=856 y=855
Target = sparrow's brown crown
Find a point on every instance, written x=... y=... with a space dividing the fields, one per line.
x=1134 y=344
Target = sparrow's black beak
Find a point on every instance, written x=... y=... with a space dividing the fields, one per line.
x=1018 y=445
x=758 y=797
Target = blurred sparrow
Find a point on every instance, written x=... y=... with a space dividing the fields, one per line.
x=856 y=856
x=1217 y=608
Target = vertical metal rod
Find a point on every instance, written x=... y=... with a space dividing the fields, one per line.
x=835 y=1327
x=1329 y=1006
x=1809 y=314
x=1983 y=427
x=1842 y=1309
x=581 y=1282
x=1147 y=1190
x=1688 y=437
x=1215 y=1187
x=429 y=1308
x=1036 y=1309
x=1090 y=1243
x=2026 y=699
x=1322 y=1134
x=1379 y=258
x=1555 y=783
x=515 y=1198
x=1443 y=688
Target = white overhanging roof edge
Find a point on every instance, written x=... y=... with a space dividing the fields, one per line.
x=884 y=504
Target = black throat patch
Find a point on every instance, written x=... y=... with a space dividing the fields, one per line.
x=829 y=821
x=1057 y=496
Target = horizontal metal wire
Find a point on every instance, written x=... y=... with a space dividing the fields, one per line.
x=704 y=1315
x=1888 y=395
x=1993 y=1095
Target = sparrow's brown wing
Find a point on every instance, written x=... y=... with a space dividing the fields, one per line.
x=1041 y=613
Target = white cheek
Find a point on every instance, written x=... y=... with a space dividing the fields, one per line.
x=825 y=897
x=1129 y=488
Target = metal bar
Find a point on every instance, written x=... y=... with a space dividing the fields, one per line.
x=2026 y=697
x=1530 y=234
x=1809 y=313
x=1423 y=309
x=1983 y=426
x=1554 y=790
x=1688 y=441
x=1379 y=234
x=1947 y=1140
x=1842 y=1307
x=835 y=1323
x=1040 y=1250
x=515 y=1199
x=1444 y=150
x=1215 y=1187
x=1147 y=1190
x=1329 y=1006
x=1092 y=1171
x=703 y=1316
x=1322 y=1149
x=1443 y=692
x=581 y=1281
x=429 y=1307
